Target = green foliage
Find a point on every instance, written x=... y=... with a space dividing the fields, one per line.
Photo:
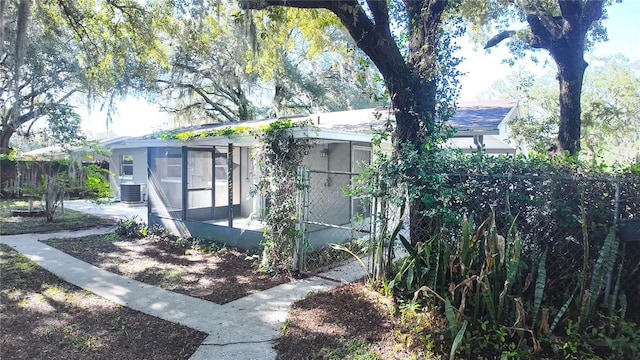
x=603 y=267
x=131 y=228
x=99 y=49
x=239 y=130
x=566 y=32
x=95 y=185
x=226 y=62
x=501 y=275
x=64 y=127
x=53 y=191
x=608 y=109
x=54 y=180
x=279 y=156
x=608 y=338
x=350 y=349
x=484 y=271
x=458 y=339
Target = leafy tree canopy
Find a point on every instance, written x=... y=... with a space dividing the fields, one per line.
x=55 y=52
x=229 y=65
x=565 y=28
x=610 y=116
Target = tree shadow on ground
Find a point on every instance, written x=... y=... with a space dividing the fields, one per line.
x=44 y=316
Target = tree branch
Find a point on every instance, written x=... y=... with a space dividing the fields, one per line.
x=541 y=37
x=204 y=97
x=571 y=10
x=495 y=40
x=552 y=24
x=380 y=11
x=378 y=44
x=592 y=11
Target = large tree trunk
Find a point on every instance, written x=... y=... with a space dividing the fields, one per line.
x=5 y=136
x=570 y=77
x=564 y=38
x=426 y=18
x=411 y=83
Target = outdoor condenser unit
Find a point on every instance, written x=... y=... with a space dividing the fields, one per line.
x=130 y=193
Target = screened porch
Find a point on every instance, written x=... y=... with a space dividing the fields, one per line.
x=203 y=192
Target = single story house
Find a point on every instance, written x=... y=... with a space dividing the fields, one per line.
x=200 y=187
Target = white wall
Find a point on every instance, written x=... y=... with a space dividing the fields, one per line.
x=247 y=173
x=139 y=169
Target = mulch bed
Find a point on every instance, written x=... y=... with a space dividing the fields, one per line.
x=44 y=317
x=346 y=321
x=219 y=277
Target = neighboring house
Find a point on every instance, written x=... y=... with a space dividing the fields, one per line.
x=485 y=124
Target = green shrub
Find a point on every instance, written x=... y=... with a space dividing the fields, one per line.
x=131 y=228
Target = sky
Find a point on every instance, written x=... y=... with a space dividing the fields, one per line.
x=481 y=68
x=484 y=68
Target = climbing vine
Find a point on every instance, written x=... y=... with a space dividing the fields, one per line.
x=278 y=157
x=238 y=130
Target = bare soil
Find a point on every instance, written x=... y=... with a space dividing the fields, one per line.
x=44 y=317
x=63 y=220
x=348 y=322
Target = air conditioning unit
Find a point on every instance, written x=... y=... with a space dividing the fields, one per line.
x=130 y=193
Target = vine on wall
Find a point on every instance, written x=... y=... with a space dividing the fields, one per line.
x=278 y=157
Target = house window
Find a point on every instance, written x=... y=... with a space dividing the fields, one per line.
x=126 y=166
x=173 y=168
x=221 y=168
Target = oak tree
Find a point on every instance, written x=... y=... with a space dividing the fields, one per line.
x=610 y=112
x=565 y=29
x=54 y=51
x=408 y=64
x=230 y=65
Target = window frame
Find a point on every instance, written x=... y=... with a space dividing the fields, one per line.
x=126 y=162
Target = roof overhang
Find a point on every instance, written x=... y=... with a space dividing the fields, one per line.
x=475 y=131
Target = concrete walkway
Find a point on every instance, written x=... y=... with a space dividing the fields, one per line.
x=113 y=210
x=242 y=329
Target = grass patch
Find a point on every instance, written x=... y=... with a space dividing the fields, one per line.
x=67 y=220
x=350 y=349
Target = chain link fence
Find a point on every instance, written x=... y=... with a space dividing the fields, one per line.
x=568 y=218
x=328 y=215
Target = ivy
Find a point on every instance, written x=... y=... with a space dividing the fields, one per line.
x=228 y=131
x=278 y=157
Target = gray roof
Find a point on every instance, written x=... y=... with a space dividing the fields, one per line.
x=473 y=116
x=482 y=113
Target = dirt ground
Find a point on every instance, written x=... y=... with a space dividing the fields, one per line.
x=219 y=277
x=348 y=320
x=44 y=317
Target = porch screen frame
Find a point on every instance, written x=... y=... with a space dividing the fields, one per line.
x=185 y=174
x=355 y=169
x=224 y=151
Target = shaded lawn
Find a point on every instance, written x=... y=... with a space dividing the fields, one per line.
x=46 y=317
x=220 y=277
x=67 y=220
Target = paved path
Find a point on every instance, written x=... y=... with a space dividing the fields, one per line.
x=242 y=329
x=116 y=210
